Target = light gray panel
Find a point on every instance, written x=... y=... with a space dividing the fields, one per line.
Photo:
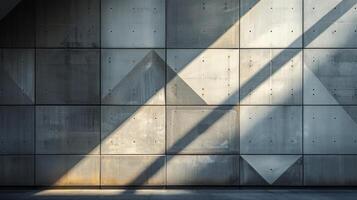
x=17 y=76
x=67 y=129
x=202 y=24
x=17 y=25
x=16 y=170
x=271 y=23
x=330 y=23
x=330 y=130
x=330 y=76
x=271 y=129
x=133 y=23
x=133 y=77
x=133 y=129
x=202 y=129
x=133 y=170
x=330 y=170
x=203 y=170
x=68 y=23
x=67 y=76
x=202 y=76
x=67 y=170
x=271 y=76
x=16 y=129
x=271 y=170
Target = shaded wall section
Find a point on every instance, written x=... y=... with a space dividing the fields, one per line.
x=178 y=92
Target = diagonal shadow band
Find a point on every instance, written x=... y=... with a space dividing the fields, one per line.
x=171 y=74
x=258 y=79
x=321 y=25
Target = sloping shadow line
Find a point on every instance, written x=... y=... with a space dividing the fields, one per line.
x=172 y=75
x=255 y=81
x=259 y=78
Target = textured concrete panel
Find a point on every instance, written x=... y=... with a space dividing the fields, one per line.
x=203 y=170
x=133 y=77
x=202 y=24
x=271 y=23
x=67 y=129
x=16 y=129
x=133 y=23
x=17 y=76
x=330 y=170
x=67 y=76
x=271 y=129
x=133 y=130
x=271 y=76
x=16 y=170
x=68 y=23
x=200 y=77
x=133 y=170
x=330 y=130
x=17 y=25
x=194 y=130
x=67 y=170
x=330 y=76
x=330 y=23
x=271 y=170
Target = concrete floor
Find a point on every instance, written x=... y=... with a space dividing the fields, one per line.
x=204 y=194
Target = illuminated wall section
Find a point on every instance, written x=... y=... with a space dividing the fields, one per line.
x=178 y=92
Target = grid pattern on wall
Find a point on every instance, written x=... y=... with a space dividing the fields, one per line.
x=178 y=93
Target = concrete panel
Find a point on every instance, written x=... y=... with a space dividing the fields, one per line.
x=202 y=24
x=271 y=170
x=133 y=170
x=17 y=76
x=68 y=23
x=67 y=129
x=195 y=130
x=16 y=129
x=203 y=170
x=330 y=170
x=67 y=76
x=67 y=170
x=16 y=170
x=330 y=23
x=200 y=77
x=271 y=23
x=133 y=23
x=133 y=130
x=271 y=76
x=17 y=25
x=330 y=76
x=271 y=129
x=133 y=77
x=330 y=129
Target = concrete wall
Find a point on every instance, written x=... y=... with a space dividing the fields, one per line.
x=178 y=92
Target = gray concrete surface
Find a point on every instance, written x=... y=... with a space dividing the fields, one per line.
x=203 y=170
x=133 y=76
x=212 y=194
x=202 y=76
x=202 y=24
x=67 y=76
x=138 y=23
x=221 y=137
x=271 y=130
x=150 y=111
x=283 y=84
x=271 y=24
x=66 y=23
